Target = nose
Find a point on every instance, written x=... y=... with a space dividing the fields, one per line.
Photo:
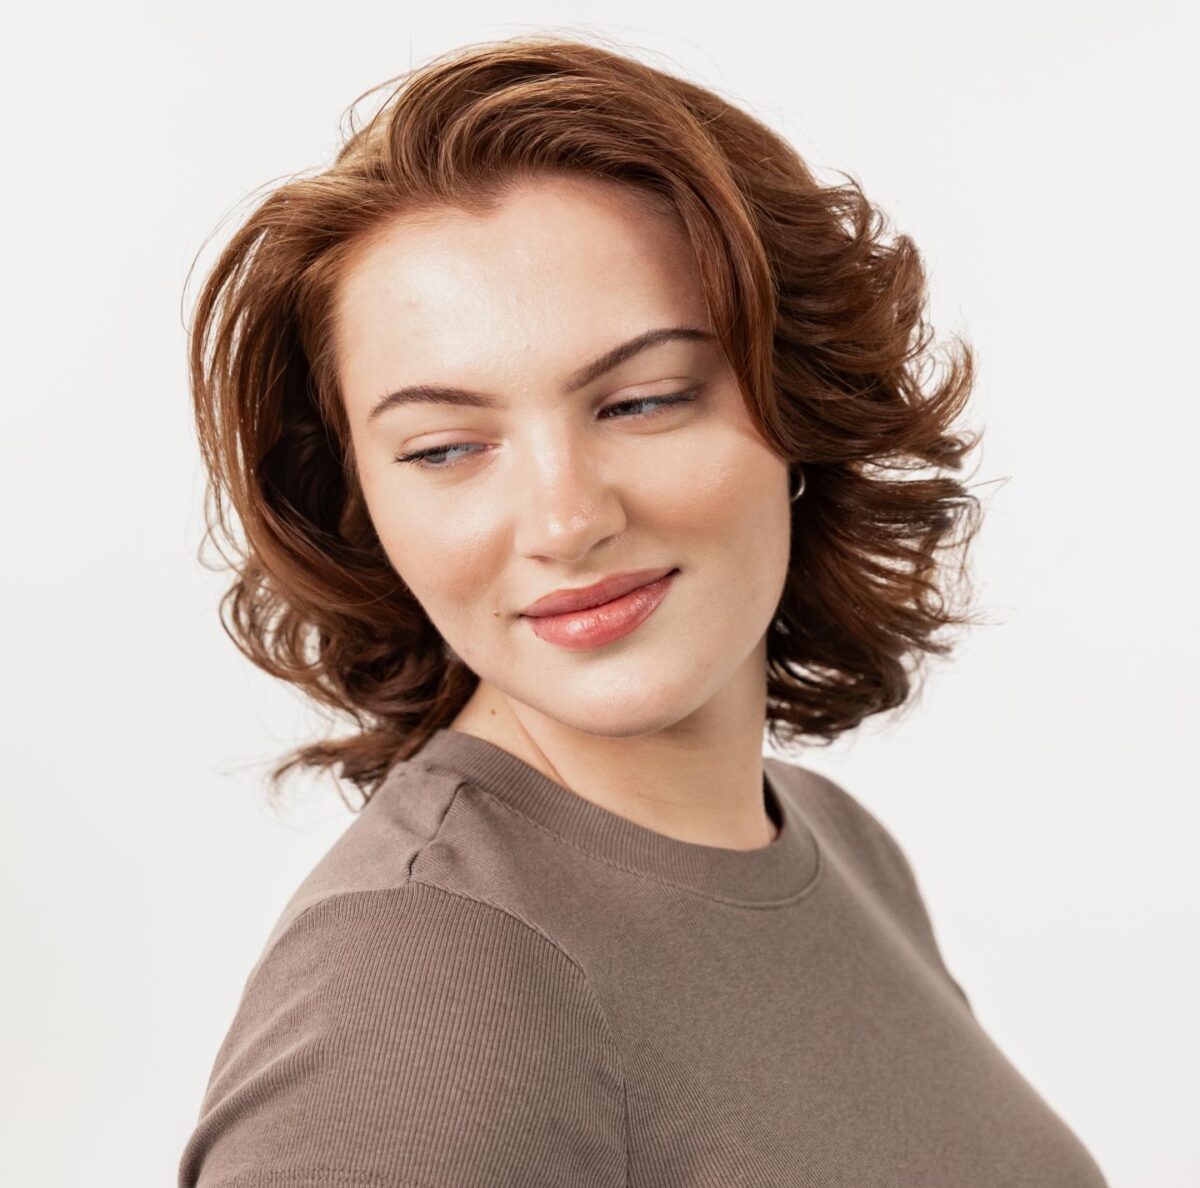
x=569 y=501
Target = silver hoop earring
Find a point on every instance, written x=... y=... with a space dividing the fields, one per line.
x=800 y=486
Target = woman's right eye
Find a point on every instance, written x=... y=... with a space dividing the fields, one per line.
x=421 y=457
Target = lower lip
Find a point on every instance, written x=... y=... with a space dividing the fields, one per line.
x=581 y=630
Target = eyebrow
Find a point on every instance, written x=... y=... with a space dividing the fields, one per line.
x=442 y=394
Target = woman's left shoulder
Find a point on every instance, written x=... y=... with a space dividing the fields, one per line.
x=866 y=849
x=836 y=810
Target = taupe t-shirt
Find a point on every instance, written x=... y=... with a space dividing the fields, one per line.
x=489 y=980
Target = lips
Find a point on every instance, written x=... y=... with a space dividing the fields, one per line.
x=564 y=601
x=598 y=626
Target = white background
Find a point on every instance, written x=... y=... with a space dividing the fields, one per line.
x=1043 y=786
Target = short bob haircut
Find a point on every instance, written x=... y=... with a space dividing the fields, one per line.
x=820 y=315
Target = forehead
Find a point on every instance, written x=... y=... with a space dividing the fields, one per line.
x=559 y=269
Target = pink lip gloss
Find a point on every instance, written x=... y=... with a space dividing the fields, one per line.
x=597 y=625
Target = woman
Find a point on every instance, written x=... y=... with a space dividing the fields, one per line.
x=568 y=422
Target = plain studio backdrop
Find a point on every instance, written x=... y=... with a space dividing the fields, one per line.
x=1042 y=157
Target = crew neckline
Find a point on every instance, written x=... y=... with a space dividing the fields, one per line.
x=771 y=875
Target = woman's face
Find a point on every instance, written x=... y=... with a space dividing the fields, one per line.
x=538 y=480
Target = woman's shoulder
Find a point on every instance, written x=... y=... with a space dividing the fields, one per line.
x=398 y=1033
x=842 y=818
x=842 y=822
x=376 y=851
x=413 y=849
x=865 y=850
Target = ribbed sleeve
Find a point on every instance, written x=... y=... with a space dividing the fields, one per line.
x=413 y=1036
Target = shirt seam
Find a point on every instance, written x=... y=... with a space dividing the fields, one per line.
x=587 y=982
x=330 y=895
x=460 y=783
x=359 y=893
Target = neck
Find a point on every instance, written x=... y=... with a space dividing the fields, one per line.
x=697 y=781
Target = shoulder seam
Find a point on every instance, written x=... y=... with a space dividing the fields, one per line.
x=587 y=983
x=331 y=895
x=419 y=850
x=589 y=989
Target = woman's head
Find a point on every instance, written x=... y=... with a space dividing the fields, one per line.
x=512 y=213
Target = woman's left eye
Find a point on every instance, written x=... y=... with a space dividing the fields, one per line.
x=660 y=401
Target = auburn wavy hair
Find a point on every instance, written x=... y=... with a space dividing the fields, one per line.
x=820 y=311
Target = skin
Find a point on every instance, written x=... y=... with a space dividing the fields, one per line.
x=665 y=726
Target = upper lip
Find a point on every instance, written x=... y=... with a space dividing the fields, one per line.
x=581 y=597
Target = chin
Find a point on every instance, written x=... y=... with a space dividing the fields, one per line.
x=608 y=709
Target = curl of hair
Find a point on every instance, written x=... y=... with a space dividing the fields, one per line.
x=819 y=310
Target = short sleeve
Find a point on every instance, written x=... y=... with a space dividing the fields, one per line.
x=412 y=1036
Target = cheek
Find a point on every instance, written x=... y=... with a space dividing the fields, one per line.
x=446 y=560
x=734 y=499
x=739 y=520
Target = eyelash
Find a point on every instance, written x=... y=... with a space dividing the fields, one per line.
x=663 y=402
